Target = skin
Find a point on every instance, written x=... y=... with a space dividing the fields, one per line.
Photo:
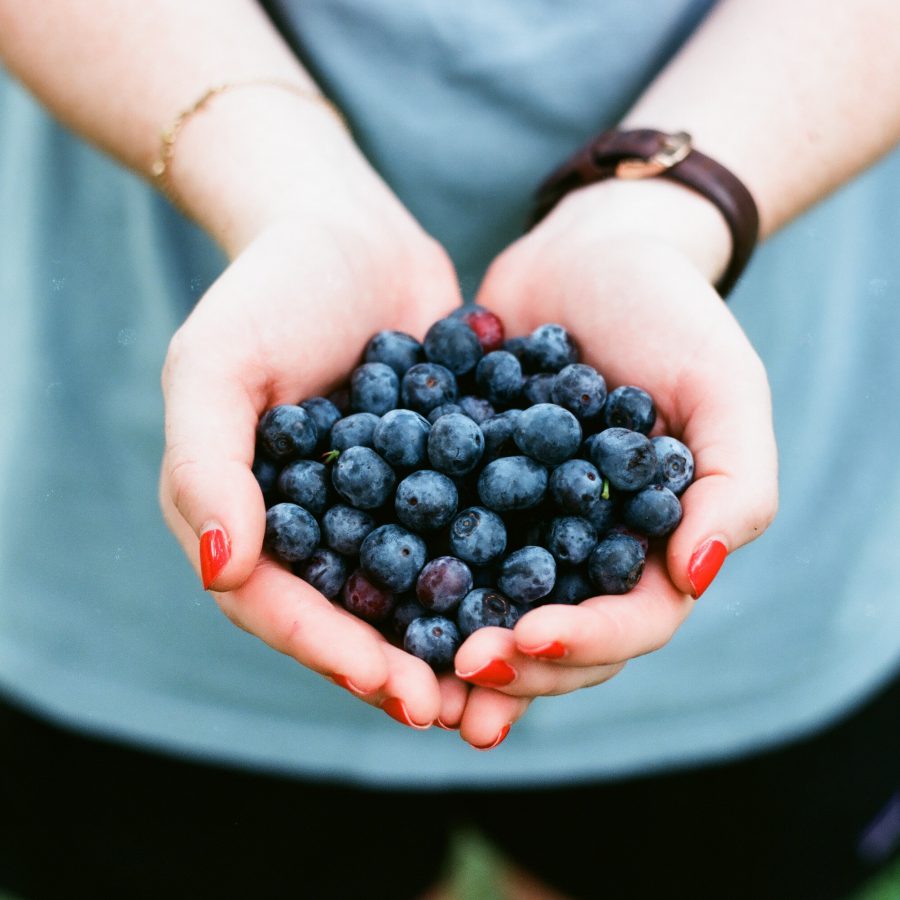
x=322 y=255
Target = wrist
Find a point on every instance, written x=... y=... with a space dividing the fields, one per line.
x=656 y=209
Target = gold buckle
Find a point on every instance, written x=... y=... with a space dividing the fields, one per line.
x=674 y=149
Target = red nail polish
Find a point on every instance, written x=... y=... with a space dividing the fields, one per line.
x=344 y=682
x=396 y=709
x=440 y=724
x=504 y=731
x=496 y=673
x=215 y=551
x=553 y=650
x=705 y=563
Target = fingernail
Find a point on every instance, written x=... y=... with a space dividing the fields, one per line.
x=440 y=724
x=496 y=673
x=396 y=709
x=215 y=551
x=344 y=682
x=553 y=650
x=504 y=731
x=705 y=563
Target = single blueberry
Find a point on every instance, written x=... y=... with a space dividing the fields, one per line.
x=675 y=463
x=427 y=385
x=550 y=348
x=581 y=389
x=443 y=410
x=477 y=536
x=476 y=408
x=396 y=349
x=286 y=431
x=306 y=483
x=498 y=434
x=366 y=599
x=616 y=564
x=434 y=639
x=623 y=456
x=374 y=388
x=572 y=586
x=266 y=472
x=291 y=532
x=452 y=343
x=516 y=346
x=442 y=584
x=499 y=377
x=363 y=478
x=392 y=557
x=401 y=438
x=406 y=609
x=538 y=388
x=654 y=511
x=548 y=433
x=486 y=325
x=344 y=528
x=571 y=539
x=630 y=407
x=512 y=483
x=527 y=574
x=355 y=430
x=426 y=501
x=325 y=570
x=455 y=444
x=576 y=486
x=485 y=607
x=324 y=414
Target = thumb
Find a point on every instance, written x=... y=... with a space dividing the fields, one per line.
x=734 y=495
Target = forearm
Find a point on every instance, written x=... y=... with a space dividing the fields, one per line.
x=795 y=98
x=118 y=71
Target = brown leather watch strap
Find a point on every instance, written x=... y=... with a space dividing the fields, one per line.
x=643 y=153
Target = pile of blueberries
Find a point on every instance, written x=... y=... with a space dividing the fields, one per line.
x=460 y=481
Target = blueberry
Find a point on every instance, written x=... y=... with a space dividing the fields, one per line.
x=266 y=472
x=550 y=348
x=455 y=444
x=623 y=456
x=527 y=574
x=324 y=414
x=396 y=349
x=516 y=346
x=499 y=377
x=572 y=586
x=286 y=431
x=426 y=501
x=498 y=434
x=452 y=343
x=630 y=407
x=374 y=388
x=392 y=557
x=571 y=539
x=365 y=599
x=581 y=389
x=401 y=438
x=444 y=410
x=325 y=570
x=512 y=483
x=616 y=564
x=355 y=430
x=486 y=325
x=291 y=532
x=477 y=536
x=538 y=388
x=434 y=639
x=675 y=463
x=476 y=408
x=344 y=528
x=576 y=486
x=483 y=608
x=654 y=511
x=601 y=514
x=306 y=483
x=442 y=584
x=406 y=609
x=548 y=433
x=363 y=478
x=427 y=385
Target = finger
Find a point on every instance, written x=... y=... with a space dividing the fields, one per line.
x=489 y=716
x=454 y=695
x=411 y=694
x=490 y=658
x=606 y=630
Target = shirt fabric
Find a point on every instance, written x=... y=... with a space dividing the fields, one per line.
x=463 y=108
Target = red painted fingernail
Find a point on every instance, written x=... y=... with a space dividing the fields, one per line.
x=396 y=709
x=705 y=563
x=496 y=673
x=504 y=731
x=440 y=724
x=344 y=682
x=553 y=650
x=215 y=551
